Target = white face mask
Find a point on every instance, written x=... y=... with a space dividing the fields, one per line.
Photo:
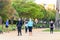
x=51 y=21
x=19 y=19
x=30 y=19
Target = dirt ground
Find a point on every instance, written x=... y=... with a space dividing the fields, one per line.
x=36 y=35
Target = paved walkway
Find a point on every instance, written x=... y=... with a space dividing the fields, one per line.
x=37 y=35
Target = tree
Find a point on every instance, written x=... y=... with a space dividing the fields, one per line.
x=3 y=4
x=3 y=15
x=29 y=9
x=51 y=14
x=6 y=10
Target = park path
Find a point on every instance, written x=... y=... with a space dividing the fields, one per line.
x=37 y=35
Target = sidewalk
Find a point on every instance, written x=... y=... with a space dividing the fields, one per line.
x=37 y=35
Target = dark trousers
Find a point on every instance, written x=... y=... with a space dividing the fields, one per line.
x=30 y=29
x=51 y=30
x=19 y=31
x=26 y=29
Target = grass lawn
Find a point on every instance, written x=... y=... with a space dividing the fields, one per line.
x=0 y=27
x=48 y=30
x=11 y=28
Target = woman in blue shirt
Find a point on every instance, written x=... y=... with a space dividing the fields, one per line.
x=7 y=25
x=30 y=25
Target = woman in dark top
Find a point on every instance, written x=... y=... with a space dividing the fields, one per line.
x=51 y=26
x=19 y=26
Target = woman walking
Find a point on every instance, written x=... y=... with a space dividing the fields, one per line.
x=26 y=25
x=51 y=26
x=30 y=25
x=7 y=25
x=19 y=26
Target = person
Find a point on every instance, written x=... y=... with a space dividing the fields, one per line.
x=51 y=26
x=19 y=26
x=7 y=25
x=30 y=25
x=26 y=25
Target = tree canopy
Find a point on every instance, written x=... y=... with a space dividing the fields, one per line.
x=25 y=8
x=6 y=9
x=29 y=9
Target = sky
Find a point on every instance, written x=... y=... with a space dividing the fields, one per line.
x=46 y=1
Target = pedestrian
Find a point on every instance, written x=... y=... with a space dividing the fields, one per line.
x=26 y=25
x=51 y=26
x=30 y=25
x=7 y=25
x=19 y=26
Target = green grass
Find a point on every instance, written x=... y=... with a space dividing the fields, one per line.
x=11 y=27
x=0 y=27
x=48 y=30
